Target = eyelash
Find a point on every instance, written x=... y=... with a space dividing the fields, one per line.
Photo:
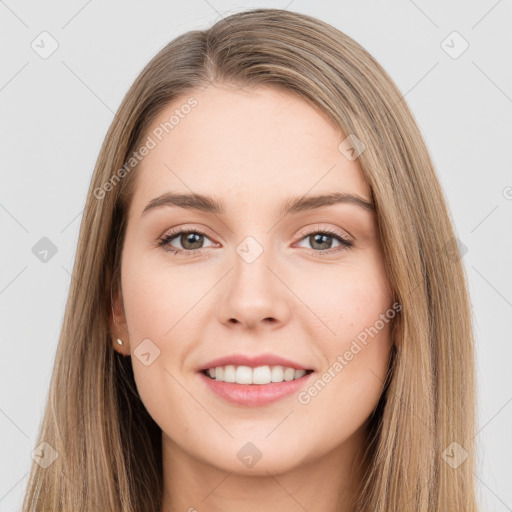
x=168 y=237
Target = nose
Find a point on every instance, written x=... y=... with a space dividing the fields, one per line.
x=254 y=293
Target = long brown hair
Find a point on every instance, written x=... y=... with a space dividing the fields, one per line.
x=108 y=447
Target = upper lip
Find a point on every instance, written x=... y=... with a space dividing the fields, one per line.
x=253 y=361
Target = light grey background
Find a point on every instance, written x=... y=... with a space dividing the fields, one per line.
x=54 y=113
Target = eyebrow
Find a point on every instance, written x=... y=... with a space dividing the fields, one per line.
x=208 y=204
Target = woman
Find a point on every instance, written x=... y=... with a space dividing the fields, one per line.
x=267 y=309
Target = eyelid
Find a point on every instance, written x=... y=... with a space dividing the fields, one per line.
x=309 y=230
x=197 y=228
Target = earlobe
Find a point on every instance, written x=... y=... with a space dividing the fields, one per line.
x=117 y=349
x=120 y=348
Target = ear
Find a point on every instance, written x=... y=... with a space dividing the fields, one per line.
x=118 y=325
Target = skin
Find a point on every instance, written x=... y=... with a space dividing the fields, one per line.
x=252 y=149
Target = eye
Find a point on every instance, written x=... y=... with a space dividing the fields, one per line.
x=321 y=241
x=190 y=240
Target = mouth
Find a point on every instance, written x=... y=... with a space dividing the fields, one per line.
x=254 y=386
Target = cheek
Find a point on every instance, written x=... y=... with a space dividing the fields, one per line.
x=357 y=309
x=346 y=302
x=363 y=330
x=156 y=302
x=156 y=296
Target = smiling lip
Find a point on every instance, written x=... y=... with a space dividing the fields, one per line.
x=253 y=395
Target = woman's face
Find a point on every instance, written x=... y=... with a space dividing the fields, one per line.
x=267 y=274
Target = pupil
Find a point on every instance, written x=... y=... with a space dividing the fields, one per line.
x=321 y=239
x=192 y=238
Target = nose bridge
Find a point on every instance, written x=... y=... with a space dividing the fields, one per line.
x=254 y=292
x=251 y=263
x=255 y=249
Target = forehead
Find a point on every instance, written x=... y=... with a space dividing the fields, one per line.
x=257 y=145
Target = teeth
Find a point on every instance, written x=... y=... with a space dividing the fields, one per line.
x=289 y=374
x=229 y=373
x=277 y=374
x=261 y=375
x=243 y=375
x=258 y=375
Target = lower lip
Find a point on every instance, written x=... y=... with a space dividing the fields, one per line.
x=254 y=395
